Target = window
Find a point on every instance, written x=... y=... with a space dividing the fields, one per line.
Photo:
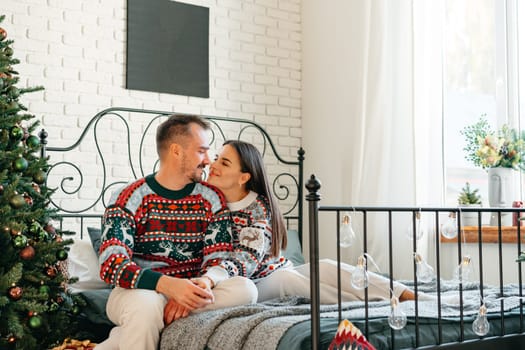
x=482 y=74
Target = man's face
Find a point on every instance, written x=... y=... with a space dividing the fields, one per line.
x=195 y=154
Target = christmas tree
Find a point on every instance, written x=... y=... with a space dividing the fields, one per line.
x=36 y=312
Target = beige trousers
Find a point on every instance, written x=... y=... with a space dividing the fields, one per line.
x=138 y=313
x=296 y=281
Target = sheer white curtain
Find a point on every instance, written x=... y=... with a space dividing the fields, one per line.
x=395 y=133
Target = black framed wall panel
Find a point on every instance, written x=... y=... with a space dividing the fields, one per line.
x=167 y=47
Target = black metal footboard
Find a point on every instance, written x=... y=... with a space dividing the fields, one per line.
x=468 y=248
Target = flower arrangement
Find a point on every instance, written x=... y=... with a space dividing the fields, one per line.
x=489 y=149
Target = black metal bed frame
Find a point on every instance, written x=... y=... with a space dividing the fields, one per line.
x=503 y=341
x=283 y=193
x=286 y=186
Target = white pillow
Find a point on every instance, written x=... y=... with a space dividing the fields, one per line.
x=83 y=264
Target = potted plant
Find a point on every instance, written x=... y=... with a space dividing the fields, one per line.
x=469 y=197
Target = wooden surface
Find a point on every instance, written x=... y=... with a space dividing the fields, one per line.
x=489 y=234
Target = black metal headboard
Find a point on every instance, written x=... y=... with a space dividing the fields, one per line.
x=116 y=147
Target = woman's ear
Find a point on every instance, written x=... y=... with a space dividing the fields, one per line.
x=245 y=177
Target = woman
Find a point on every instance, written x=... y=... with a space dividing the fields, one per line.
x=260 y=234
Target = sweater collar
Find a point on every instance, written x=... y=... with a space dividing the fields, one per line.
x=243 y=203
x=167 y=193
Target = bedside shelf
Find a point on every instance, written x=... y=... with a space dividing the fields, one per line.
x=489 y=234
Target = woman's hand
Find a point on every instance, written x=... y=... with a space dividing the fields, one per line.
x=204 y=282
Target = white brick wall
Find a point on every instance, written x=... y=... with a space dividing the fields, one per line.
x=76 y=50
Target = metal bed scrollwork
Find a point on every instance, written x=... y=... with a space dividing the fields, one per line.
x=80 y=200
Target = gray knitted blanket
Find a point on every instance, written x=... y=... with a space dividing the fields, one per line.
x=261 y=326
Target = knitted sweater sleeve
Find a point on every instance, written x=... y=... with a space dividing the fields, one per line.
x=116 y=252
x=218 y=247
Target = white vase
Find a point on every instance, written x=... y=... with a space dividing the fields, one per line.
x=502 y=192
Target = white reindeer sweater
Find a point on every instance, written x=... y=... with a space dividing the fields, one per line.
x=252 y=237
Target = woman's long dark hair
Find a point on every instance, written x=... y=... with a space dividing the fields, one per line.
x=252 y=163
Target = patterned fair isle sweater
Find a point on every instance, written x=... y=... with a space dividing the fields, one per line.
x=149 y=231
x=252 y=237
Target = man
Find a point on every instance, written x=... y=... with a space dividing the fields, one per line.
x=168 y=237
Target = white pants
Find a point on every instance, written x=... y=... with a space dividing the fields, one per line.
x=138 y=313
x=296 y=281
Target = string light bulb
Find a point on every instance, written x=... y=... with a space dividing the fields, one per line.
x=481 y=325
x=424 y=272
x=346 y=232
x=359 y=279
x=397 y=319
x=419 y=227
x=463 y=270
x=450 y=227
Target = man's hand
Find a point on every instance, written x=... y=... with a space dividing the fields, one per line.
x=186 y=293
x=173 y=311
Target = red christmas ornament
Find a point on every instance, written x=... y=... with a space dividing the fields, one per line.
x=28 y=199
x=50 y=229
x=51 y=271
x=14 y=293
x=3 y=34
x=27 y=253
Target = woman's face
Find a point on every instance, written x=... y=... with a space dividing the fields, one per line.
x=225 y=171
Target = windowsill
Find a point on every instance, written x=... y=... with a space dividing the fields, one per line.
x=489 y=234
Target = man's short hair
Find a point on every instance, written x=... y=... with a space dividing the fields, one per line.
x=176 y=128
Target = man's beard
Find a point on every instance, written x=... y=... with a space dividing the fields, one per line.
x=197 y=175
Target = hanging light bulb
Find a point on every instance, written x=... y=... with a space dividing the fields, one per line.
x=359 y=279
x=450 y=227
x=424 y=272
x=481 y=325
x=397 y=319
x=346 y=232
x=420 y=230
x=463 y=270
